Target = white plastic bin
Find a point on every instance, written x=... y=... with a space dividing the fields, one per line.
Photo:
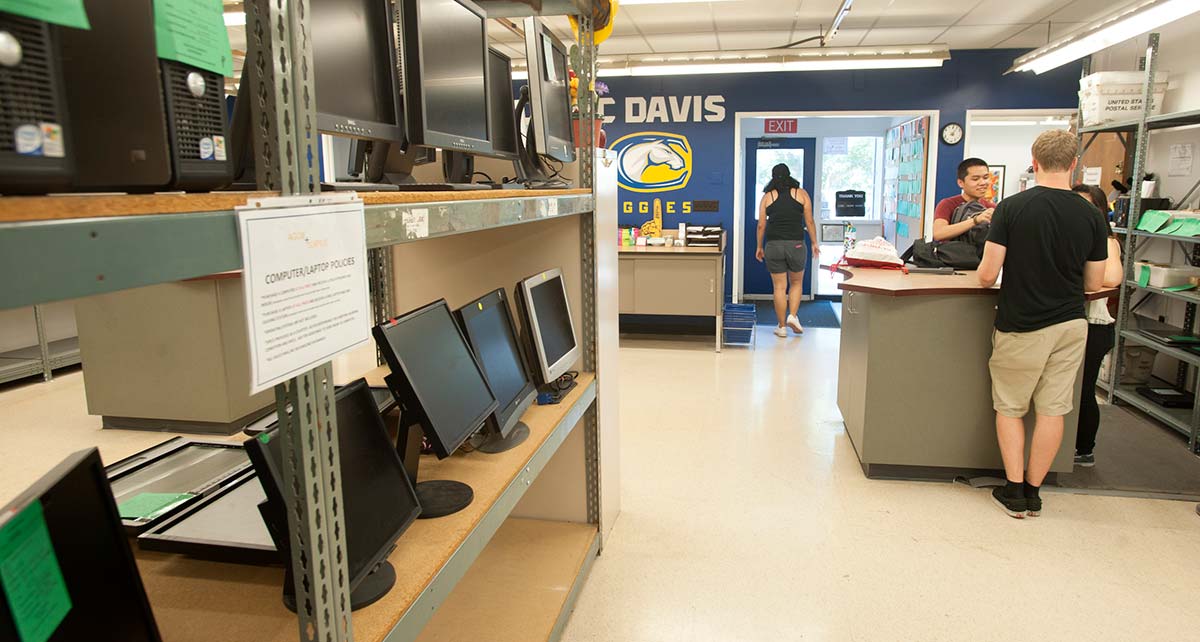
x=1109 y=96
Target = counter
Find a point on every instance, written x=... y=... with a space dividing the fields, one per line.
x=682 y=281
x=913 y=382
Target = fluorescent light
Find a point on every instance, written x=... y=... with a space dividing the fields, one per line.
x=775 y=60
x=841 y=14
x=1048 y=122
x=1121 y=25
x=235 y=18
x=626 y=3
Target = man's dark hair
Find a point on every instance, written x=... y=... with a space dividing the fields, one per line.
x=966 y=166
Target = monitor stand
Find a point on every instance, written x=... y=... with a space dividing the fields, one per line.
x=532 y=169
x=493 y=443
x=438 y=497
x=372 y=587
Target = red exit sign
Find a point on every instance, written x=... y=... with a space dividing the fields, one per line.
x=781 y=125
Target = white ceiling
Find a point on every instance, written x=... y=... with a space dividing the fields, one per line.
x=758 y=24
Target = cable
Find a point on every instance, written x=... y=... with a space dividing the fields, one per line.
x=489 y=178
x=800 y=42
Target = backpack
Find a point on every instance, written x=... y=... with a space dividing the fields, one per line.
x=956 y=254
x=976 y=235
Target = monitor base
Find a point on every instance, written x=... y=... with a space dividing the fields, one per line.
x=443 y=497
x=440 y=187
x=373 y=587
x=356 y=186
x=494 y=443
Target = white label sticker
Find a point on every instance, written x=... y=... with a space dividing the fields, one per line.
x=219 y=148
x=52 y=140
x=416 y=223
x=552 y=207
x=206 y=148
x=28 y=140
x=305 y=280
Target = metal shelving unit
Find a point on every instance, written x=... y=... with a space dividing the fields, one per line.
x=84 y=255
x=1137 y=132
x=43 y=358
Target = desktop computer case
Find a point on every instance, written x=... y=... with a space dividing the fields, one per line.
x=139 y=127
x=32 y=111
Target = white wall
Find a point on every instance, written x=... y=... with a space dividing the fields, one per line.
x=1004 y=145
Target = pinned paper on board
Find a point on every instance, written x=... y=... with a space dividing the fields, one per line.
x=1180 y=162
x=1092 y=175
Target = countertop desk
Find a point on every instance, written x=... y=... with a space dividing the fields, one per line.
x=683 y=281
x=913 y=382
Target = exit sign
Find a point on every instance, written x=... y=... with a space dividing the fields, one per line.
x=781 y=125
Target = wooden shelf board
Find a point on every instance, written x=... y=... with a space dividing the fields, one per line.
x=195 y=600
x=520 y=586
x=74 y=206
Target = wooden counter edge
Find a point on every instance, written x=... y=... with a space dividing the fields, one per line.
x=849 y=286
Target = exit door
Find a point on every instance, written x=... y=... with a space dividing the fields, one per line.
x=800 y=155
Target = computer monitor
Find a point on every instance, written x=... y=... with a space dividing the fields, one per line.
x=489 y=328
x=500 y=107
x=442 y=391
x=64 y=540
x=445 y=75
x=354 y=69
x=380 y=502
x=549 y=93
x=546 y=315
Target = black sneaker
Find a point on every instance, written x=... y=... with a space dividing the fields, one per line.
x=1012 y=506
x=1033 y=506
x=1087 y=461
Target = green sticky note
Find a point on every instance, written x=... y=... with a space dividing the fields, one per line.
x=31 y=578
x=1153 y=220
x=193 y=32
x=1180 y=288
x=1144 y=276
x=68 y=13
x=150 y=505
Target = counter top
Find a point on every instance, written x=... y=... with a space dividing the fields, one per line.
x=648 y=249
x=897 y=283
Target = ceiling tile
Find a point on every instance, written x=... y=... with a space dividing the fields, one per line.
x=978 y=36
x=757 y=15
x=1086 y=10
x=909 y=13
x=847 y=37
x=516 y=53
x=683 y=42
x=667 y=18
x=618 y=45
x=500 y=33
x=924 y=35
x=1034 y=36
x=753 y=39
x=1060 y=29
x=1010 y=12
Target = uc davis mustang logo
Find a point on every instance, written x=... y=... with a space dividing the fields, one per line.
x=653 y=161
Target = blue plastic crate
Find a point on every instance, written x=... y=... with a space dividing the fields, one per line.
x=738 y=323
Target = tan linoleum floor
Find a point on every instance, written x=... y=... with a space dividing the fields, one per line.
x=745 y=517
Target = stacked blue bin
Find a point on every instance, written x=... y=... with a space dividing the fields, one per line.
x=739 y=322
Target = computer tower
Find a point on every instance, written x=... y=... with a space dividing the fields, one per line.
x=142 y=123
x=35 y=156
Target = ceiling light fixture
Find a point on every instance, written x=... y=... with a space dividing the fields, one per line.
x=1127 y=22
x=626 y=3
x=837 y=22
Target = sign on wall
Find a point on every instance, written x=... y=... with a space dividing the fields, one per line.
x=781 y=126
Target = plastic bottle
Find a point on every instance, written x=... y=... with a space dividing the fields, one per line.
x=851 y=236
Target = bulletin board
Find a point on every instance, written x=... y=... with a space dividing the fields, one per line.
x=905 y=167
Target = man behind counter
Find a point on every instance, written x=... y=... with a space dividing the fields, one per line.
x=974 y=178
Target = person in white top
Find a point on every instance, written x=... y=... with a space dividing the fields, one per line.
x=1100 y=338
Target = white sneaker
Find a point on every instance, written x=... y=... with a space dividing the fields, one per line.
x=794 y=324
x=781 y=333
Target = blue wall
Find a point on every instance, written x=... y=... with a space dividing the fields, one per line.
x=971 y=79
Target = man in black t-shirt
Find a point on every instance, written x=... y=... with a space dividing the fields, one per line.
x=1052 y=246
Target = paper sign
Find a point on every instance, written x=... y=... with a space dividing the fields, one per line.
x=30 y=576
x=193 y=32
x=416 y=223
x=304 y=263
x=780 y=126
x=68 y=13
x=150 y=505
x=836 y=146
x=1091 y=175
x=1180 y=160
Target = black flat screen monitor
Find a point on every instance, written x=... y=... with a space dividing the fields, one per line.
x=550 y=92
x=489 y=327
x=445 y=72
x=501 y=107
x=354 y=69
x=438 y=382
x=380 y=502
x=75 y=575
x=547 y=319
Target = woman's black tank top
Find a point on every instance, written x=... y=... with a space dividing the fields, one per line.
x=785 y=218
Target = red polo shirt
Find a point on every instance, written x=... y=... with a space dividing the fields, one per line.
x=945 y=209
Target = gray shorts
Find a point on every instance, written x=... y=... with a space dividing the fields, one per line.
x=785 y=256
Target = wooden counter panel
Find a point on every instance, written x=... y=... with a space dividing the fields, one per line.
x=897 y=283
x=644 y=250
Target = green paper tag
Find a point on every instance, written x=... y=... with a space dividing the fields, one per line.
x=68 y=13
x=1144 y=276
x=1184 y=338
x=31 y=578
x=150 y=505
x=193 y=32
x=264 y=438
x=1180 y=288
x=1152 y=220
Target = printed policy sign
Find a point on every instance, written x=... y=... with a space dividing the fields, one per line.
x=304 y=263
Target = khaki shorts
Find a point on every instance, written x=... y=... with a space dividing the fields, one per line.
x=1040 y=366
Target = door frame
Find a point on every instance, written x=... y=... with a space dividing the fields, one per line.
x=739 y=171
x=809 y=170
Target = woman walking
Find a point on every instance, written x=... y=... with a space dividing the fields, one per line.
x=1100 y=338
x=784 y=222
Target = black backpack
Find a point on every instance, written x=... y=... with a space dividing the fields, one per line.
x=976 y=235
x=956 y=254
